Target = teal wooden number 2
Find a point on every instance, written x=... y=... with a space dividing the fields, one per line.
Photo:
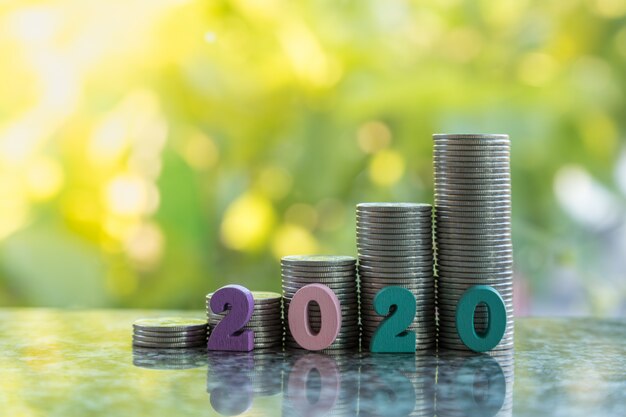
x=392 y=335
x=496 y=318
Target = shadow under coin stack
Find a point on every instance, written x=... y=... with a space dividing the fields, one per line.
x=472 y=228
x=336 y=272
x=395 y=248
x=170 y=333
x=266 y=320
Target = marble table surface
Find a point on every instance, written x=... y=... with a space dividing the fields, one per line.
x=81 y=363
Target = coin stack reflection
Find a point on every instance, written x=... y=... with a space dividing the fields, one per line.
x=266 y=320
x=482 y=383
x=336 y=272
x=395 y=248
x=472 y=227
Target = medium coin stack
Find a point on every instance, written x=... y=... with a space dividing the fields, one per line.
x=472 y=227
x=394 y=242
x=266 y=321
x=336 y=272
x=170 y=332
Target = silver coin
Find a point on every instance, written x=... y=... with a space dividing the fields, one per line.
x=312 y=279
x=395 y=236
x=481 y=138
x=402 y=244
x=399 y=222
x=466 y=190
x=320 y=268
x=446 y=230
x=390 y=228
x=469 y=213
x=184 y=339
x=395 y=262
x=413 y=270
x=170 y=324
x=318 y=260
x=393 y=252
x=163 y=345
x=472 y=219
x=442 y=155
x=192 y=333
x=392 y=207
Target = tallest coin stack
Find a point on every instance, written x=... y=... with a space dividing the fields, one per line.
x=472 y=228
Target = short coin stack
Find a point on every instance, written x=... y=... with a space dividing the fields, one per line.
x=170 y=333
x=473 y=227
x=266 y=321
x=394 y=242
x=336 y=272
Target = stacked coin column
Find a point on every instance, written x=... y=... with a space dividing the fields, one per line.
x=473 y=227
x=394 y=242
x=266 y=319
x=336 y=272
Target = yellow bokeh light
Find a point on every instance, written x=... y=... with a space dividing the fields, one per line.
x=302 y=214
x=13 y=205
x=609 y=8
x=293 y=239
x=145 y=244
x=463 y=44
x=247 y=222
x=130 y=195
x=536 y=69
x=373 y=136
x=274 y=182
x=200 y=151
x=307 y=57
x=599 y=133
x=43 y=178
x=386 y=168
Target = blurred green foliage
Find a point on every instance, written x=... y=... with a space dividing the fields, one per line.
x=152 y=151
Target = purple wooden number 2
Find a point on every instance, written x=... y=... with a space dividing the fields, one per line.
x=228 y=334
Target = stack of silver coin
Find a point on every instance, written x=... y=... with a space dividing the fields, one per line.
x=266 y=321
x=394 y=242
x=472 y=227
x=170 y=332
x=340 y=275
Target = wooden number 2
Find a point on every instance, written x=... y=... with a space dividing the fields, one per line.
x=392 y=335
x=298 y=317
x=228 y=334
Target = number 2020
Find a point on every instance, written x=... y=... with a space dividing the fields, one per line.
x=396 y=304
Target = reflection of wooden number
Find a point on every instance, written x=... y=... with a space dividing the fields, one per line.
x=299 y=388
x=229 y=382
x=482 y=380
x=496 y=316
x=392 y=334
x=330 y=313
x=385 y=391
x=228 y=334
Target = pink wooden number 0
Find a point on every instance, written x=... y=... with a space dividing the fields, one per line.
x=298 y=316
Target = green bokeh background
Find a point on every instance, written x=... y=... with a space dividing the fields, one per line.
x=152 y=151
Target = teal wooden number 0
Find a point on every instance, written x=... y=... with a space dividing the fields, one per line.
x=392 y=335
x=496 y=312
